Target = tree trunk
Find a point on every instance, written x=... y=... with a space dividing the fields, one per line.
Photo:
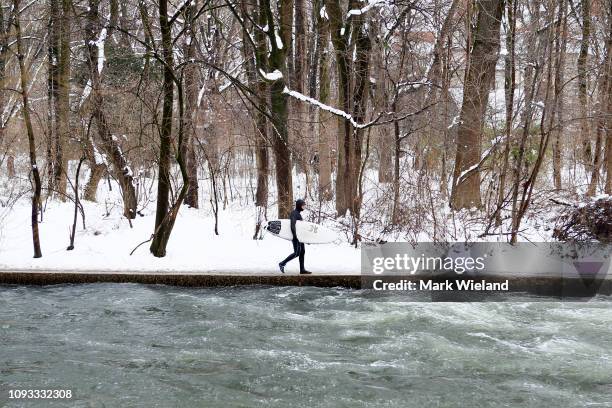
x=481 y=73
x=379 y=104
x=345 y=132
x=5 y=28
x=279 y=103
x=62 y=102
x=191 y=106
x=300 y=46
x=262 y=160
x=585 y=134
x=59 y=84
x=363 y=48
x=557 y=129
x=255 y=81
x=509 y=85
x=97 y=170
x=396 y=168
x=77 y=204
x=53 y=140
x=263 y=165
x=161 y=233
x=323 y=117
x=604 y=121
x=110 y=144
x=30 y=132
x=90 y=191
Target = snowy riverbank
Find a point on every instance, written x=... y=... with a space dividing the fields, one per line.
x=107 y=241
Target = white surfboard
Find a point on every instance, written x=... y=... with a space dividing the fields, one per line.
x=307 y=232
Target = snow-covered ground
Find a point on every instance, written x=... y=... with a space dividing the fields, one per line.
x=107 y=239
x=106 y=243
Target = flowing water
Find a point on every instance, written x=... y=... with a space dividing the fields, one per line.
x=127 y=345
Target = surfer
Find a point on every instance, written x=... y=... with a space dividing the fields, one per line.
x=298 y=247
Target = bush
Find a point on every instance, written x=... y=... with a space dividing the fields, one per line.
x=592 y=221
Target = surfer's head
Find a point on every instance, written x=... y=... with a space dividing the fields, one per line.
x=299 y=204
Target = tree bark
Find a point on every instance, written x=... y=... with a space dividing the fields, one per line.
x=191 y=106
x=481 y=73
x=110 y=144
x=300 y=46
x=53 y=140
x=585 y=133
x=397 y=147
x=363 y=47
x=62 y=103
x=256 y=82
x=5 y=28
x=59 y=82
x=339 y=38
x=279 y=102
x=97 y=170
x=30 y=132
x=509 y=85
x=604 y=122
x=161 y=233
x=323 y=118
x=557 y=130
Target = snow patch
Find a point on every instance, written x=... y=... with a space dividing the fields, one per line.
x=279 y=42
x=271 y=76
x=100 y=44
x=368 y=7
x=323 y=13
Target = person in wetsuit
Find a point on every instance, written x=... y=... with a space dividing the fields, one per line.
x=298 y=247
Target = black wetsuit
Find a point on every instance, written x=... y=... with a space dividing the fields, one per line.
x=298 y=247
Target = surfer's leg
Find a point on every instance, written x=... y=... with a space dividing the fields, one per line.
x=302 y=249
x=295 y=254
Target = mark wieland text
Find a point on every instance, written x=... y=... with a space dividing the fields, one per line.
x=440 y=286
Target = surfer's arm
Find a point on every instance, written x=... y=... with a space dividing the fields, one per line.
x=293 y=221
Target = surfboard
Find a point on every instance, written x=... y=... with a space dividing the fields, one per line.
x=307 y=232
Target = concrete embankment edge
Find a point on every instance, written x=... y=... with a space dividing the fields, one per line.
x=547 y=286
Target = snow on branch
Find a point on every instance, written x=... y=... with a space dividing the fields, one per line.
x=327 y=108
x=371 y=4
x=279 y=42
x=271 y=76
x=412 y=85
x=99 y=43
x=323 y=13
x=468 y=172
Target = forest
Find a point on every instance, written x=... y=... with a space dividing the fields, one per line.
x=396 y=120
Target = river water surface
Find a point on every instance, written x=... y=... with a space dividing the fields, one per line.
x=128 y=345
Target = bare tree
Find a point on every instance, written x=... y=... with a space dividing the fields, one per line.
x=190 y=74
x=604 y=120
x=585 y=139
x=29 y=129
x=483 y=58
x=110 y=144
x=59 y=84
x=165 y=214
